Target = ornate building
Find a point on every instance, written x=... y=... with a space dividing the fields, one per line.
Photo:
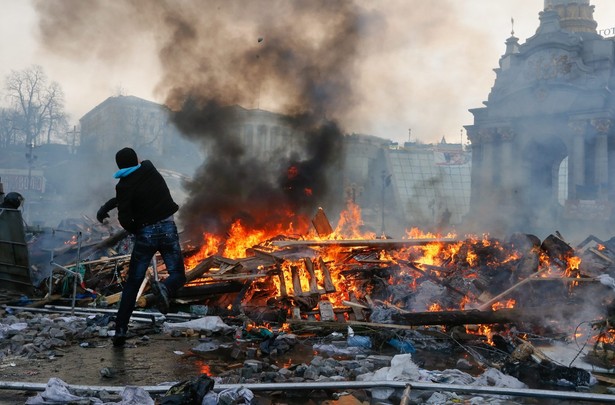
x=544 y=144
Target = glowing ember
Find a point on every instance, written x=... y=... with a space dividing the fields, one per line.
x=507 y=304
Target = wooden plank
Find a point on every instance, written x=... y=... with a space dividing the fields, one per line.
x=113 y=298
x=321 y=223
x=283 y=291
x=326 y=311
x=296 y=280
x=477 y=317
x=377 y=243
x=487 y=305
x=309 y=266
x=600 y=255
x=235 y=276
x=200 y=269
x=357 y=309
x=328 y=282
x=266 y=255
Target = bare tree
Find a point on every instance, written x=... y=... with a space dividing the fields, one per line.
x=39 y=105
x=9 y=135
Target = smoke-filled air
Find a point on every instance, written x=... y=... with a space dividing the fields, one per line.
x=322 y=64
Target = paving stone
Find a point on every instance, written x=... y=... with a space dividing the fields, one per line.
x=311 y=373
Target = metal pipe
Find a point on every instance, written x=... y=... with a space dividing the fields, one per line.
x=339 y=385
x=112 y=311
x=137 y=317
x=85 y=310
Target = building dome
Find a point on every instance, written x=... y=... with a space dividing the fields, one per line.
x=575 y=15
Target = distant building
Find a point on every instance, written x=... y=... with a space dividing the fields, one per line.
x=416 y=185
x=549 y=117
x=143 y=125
x=125 y=120
x=432 y=183
x=266 y=135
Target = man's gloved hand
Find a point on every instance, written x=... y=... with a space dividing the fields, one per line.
x=103 y=212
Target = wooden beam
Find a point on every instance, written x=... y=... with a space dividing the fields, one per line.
x=328 y=282
x=296 y=280
x=357 y=309
x=468 y=317
x=377 y=243
x=488 y=304
x=309 y=267
x=280 y=271
x=321 y=224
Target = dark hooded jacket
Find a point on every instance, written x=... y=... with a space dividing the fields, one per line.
x=143 y=198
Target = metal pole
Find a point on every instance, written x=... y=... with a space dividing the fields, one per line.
x=344 y=385
x=77 y=270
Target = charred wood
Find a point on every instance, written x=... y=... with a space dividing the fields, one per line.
x=466 y=317
x=210 y=289
x=200 y=269
x=558 y=250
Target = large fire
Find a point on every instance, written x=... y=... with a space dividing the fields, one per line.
x=345 y=274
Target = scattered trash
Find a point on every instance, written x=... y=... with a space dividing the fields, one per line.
x=188 y=392
x=403 y=346
x=358 y=341
x=206 y=323
x=206 y=347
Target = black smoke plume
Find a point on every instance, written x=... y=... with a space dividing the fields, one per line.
x=233 y=185
x=294 y=58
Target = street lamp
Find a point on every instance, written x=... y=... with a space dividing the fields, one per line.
x=30 y=158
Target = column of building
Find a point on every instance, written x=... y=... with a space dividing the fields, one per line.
x=602 y=128
x=487 y=136
x=576 y=161
x=477 y=165
x=511 y=175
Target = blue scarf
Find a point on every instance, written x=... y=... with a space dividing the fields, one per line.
x=126 y=171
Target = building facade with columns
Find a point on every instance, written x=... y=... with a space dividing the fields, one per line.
x=544 y=143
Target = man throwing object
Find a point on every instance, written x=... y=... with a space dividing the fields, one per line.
x=145 y=209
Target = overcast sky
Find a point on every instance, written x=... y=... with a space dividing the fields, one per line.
x=429 y=62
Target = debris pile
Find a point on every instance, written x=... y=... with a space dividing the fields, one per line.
x=499 y=302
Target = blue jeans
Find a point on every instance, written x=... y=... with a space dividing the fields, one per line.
x=159 y=237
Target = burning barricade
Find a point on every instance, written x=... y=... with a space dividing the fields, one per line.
x=497 y=301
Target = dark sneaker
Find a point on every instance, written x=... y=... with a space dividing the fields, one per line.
x=120 y=337
x=162 y=295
